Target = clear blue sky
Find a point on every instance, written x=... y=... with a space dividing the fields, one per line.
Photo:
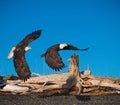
x=83 y=23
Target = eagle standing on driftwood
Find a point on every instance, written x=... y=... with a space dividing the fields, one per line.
x=20 y=63
x=53 y=58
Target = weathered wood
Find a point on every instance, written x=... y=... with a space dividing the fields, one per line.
x=74 y=69
x=72 y=82
x=105 y=83
x=54 y=81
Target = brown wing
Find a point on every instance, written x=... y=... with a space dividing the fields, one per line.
x=54 y=60
x=20 y=63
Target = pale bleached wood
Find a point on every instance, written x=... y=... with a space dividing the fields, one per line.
x=74 y=69
x=54 y=81
x=105 y=83
x=67 y=81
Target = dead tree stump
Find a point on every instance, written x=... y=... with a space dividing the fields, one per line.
x=74 y=69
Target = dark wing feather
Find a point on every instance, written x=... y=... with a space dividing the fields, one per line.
x=20 y=63
x=54 y=60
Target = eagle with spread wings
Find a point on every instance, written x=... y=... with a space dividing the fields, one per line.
x=53 y=58
x=20 y=63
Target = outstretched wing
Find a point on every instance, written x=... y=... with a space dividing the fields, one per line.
x=54 y=60
x=85 y=49
x=20 y=63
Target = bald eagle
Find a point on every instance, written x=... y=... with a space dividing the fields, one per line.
x=53 y=58
x=11 y=53
x=19 y=60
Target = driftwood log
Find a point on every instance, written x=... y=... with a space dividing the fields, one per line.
x=62 y=83
x=73 y=82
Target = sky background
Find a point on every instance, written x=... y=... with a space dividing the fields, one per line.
x=82 y=23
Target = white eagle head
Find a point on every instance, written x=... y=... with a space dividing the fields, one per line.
x=28 y=48
x=62 y=46
x=11 y=53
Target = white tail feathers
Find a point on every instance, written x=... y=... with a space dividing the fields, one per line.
x=11 y=54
